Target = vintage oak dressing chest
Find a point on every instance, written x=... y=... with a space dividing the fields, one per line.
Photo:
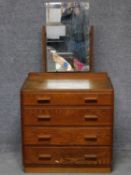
x=67 y=122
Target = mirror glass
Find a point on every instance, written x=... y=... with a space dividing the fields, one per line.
x=67 y=36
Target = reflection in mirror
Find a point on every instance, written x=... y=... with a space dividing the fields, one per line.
x=67 y=36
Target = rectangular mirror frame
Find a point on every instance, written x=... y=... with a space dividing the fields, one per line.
x=44 y=57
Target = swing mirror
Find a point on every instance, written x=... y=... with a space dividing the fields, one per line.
x=67 y=37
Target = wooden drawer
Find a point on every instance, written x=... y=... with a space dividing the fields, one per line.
x=91 y=156
x=67 y=99
x=70 y=116
x=67 y=136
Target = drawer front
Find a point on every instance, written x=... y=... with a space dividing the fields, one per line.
x=67 y=136
x=76 y=116
x=67 y=99
x=89 y=156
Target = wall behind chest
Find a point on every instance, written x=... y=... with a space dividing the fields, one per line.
x=20 y=53
x=113 y=54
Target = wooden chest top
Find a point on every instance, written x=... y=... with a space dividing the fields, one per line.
x=67 y=82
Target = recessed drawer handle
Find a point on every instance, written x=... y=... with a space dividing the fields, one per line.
x=91 y=138
x=43 y=100
x=91 y=100
x=90 y=157
x=44 y=137
x=43 y=117
x=91 y=117
x=44 y=157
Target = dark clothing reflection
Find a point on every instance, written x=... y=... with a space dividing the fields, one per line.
x=76 y=19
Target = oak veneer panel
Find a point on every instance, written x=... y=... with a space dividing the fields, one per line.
x=67 y=136
x=67 y=116
x=89 y=156
x=42 y=169
x=73 y=98
x=70 y=81
x=67 y=84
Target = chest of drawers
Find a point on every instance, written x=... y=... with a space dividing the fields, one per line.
x=67 y=122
